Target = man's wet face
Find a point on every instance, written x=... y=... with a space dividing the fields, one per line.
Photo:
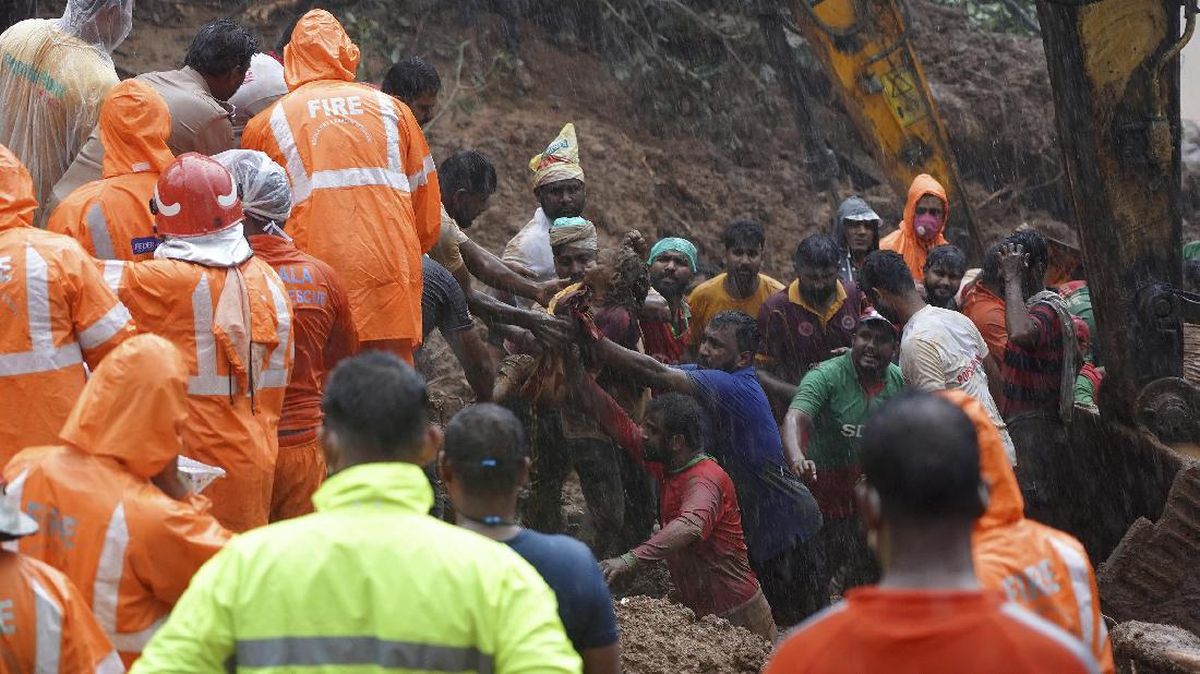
x=941 y=285
x=719 y=349
x=860 y=235
x=573 y=262
x=423 y=106
x=671 y=273
x=743 y=261
x=818 y=285
x=562 y=199
x=872 y=348
x=654 y=439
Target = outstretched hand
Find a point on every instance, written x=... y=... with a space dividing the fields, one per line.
x=548 y=289
x=633 y=240
x=1013 y=261
x=617 y=567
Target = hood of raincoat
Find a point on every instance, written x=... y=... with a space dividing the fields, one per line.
x=320 y=50
x=17 y=202
x=101 y=23
x=134 y=127
x=851 y=207
x=133 y=407
x=922 y=185
x=1005 y=503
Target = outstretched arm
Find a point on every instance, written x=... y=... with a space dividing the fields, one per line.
x=492 y=271
x=643 y=368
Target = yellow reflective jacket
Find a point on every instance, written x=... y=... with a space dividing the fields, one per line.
x=368 y=583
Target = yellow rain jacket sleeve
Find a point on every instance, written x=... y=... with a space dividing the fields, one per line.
x=369 y=583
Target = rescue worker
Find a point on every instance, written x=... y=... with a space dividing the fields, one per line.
x=559 y=187
x=365 y=188
x=56 y=314
x=920 y=497
x=196 y=95
x=115 y=516
x=923 y=227
x=111 y=217
x=324 y=330
x=45 y=625
x=56 y=74
x=1039 y=567
x=370 y=582
x=228 y=313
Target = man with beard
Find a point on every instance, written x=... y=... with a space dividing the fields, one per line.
x=741 y=288
x=779 y=514
x=939 y=349
x=821 y=436
x=944 y=269
x=808 y=322
x=856 y=231
x=672 y=264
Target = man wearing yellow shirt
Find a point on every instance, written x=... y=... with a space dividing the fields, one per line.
x=54 y=74
x=742 y=287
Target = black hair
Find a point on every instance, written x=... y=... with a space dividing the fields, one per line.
x=707 y=268
x=818 y=250
x=681 y=415
x=921 y=453
x=411 y=77
x=376 y=404
x=947 y=256
x=219 y=47
x=886 y=270
x=486 y=444
x=285 y=37
x=1034 y=244
x=745 y=328
x=990 y=275
x=744 y=232
x=468 y=170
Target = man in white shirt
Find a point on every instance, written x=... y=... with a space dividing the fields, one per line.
x=940 y=349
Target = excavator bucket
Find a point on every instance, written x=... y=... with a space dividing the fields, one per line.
x=863 y=46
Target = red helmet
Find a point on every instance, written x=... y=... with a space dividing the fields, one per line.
x=195 y=196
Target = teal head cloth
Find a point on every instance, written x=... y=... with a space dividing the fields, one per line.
x=1191 y=251
x=676 y=244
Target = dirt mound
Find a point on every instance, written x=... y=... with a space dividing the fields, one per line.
x=659 y=637
x=1146 y=648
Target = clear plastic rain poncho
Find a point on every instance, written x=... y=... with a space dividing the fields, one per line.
x=266 y=192
x=54 y=74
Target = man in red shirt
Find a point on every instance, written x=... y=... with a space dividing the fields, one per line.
x=700 y=538
x=922 y=495
x=324 y=330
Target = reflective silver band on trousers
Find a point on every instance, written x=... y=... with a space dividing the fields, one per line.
x=315 y=651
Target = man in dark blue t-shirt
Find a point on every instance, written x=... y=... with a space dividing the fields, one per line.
x=484 y=464
x=779 y=514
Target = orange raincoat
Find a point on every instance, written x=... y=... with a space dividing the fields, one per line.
x=111 y=217
x=365 y=186
x=128 y=547
x=234 y=400
x=55 y=314
x=905 y=240
x=1041 y=568
x=45 y=625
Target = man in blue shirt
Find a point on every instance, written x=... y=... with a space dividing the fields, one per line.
x=484 y=464
x=779 y=514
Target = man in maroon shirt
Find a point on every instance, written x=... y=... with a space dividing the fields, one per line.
x=324 y=330
x=807 y=322
x=700 y=538
x=672 y=264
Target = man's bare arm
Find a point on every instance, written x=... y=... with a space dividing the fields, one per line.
x=643 y=368
x=777 y=388
x=492 y=271
x=548 y=329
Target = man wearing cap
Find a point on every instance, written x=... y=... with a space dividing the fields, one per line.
x=672 y=264
x=559 y=188
x=856 y=231
x=45 y=625
x=821 y=436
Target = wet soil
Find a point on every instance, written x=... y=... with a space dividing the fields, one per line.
x=659 y=637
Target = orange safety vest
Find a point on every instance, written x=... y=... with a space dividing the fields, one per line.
x=365 y=186
x=45 y=626
x=231 y=423
x=1041 y=568
x=129 y=548
x=55 y=315
x=111 y=217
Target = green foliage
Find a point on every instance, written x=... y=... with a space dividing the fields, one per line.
x=993 y=15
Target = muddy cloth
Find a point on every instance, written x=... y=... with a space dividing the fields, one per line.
x=667 y=341
x=1041 y=377
x=568 y=567
x=796 y=336
x=746 y=441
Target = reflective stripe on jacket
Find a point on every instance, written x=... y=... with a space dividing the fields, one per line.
x=369 y=581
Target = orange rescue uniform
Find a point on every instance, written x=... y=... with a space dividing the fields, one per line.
x=129 y=548
x=324 y=334
x=365 y=186
x=1041 y=568
x=905 y=240
x=45 y=626
x=231 y=424
x=111 y=217
x=55 y=314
